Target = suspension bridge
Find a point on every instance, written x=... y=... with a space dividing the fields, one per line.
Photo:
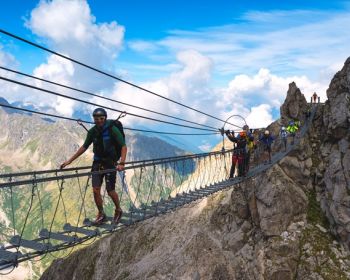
x=50 y=211
x=158 y=186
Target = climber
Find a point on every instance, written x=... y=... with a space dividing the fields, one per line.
x=249 y=147
x=314 y=96
x=284 y=135
x=266 y=140
x=107 y=139
x=292 y=129
x=239 y=152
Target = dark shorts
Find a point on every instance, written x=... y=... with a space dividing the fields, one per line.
x=97 y=179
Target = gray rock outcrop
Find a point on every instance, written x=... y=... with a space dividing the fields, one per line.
x=331 y=136
x=295 y=105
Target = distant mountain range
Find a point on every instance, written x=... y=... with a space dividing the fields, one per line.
x=81 y=114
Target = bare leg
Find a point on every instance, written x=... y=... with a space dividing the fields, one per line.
x=98 y=199
x=114 y=196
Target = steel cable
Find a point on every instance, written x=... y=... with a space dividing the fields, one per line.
x=107 y=74
x=103 y=97
x=99 y=105
x=89 y=122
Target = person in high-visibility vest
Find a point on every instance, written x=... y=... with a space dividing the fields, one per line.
x=292 y=130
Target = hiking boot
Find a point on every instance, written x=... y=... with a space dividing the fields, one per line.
x=100 y=219
x=117 y=216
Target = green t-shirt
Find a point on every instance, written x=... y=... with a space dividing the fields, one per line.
x=104 y=141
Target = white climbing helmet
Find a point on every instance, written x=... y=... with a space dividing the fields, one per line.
x=267 y=132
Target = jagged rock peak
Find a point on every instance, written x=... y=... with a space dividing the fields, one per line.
x=295 y=105
x=340 y=83
x=338 y=106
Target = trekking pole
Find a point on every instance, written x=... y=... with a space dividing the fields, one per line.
x=81 y=123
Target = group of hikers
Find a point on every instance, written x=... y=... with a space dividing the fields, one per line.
x=246 y=142
x=110 y=152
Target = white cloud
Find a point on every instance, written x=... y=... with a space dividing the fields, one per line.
x=189 y=85
x=286 y=42
x=259 y=116
x=262 y=55
x=57 y=69
x=70 y=28
x=265 y=87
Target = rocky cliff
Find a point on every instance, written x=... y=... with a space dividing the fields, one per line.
x=330 y=140
x=290 y=222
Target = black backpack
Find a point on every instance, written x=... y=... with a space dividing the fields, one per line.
x=118 y=124
x=99 y=148
x=112 y=151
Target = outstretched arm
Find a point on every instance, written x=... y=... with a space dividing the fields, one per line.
x=230 y=136
x=81 y=150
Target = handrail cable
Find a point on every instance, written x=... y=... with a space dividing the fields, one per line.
x=102 y=97
x=99 y=105
x=107 y=74
x=89 y=122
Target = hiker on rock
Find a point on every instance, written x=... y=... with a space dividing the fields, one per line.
x=239 y=152
x=284 y=137
x=266 y=140
x=314 y=96
x=108 y=147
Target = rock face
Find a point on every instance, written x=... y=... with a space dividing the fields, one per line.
x=332 y=135
x=295 y=105
x=291 y=222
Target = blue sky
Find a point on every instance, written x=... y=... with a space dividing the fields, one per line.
x=222 y=57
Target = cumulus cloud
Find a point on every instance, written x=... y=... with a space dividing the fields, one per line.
x=257 y=64
x=188 y=85
x=70 y=28
x=294 y=42
x=57 y=69
x=260 y=116
x=252 y=97
x=267 y=88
